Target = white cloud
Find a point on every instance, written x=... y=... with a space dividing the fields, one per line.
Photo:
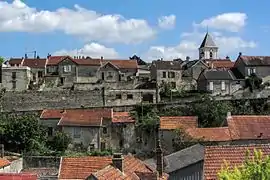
x=93 y=50
x=228 y=45
x=18 y=17
x=228 y=21
x=167 y=22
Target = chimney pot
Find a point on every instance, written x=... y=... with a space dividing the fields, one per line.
x=187 y=58
x=240 y=53
x=101 y=57
x=2 y=150
x=227 y=57
x=118 y=161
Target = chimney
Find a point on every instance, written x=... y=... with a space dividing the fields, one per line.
x=240 y=53
x=118 y=161
x=2 y=150
x=101 y=57
x=159 y=156
x=48 y=56
x=25 y=56
x=227 y=57
x=187 y=58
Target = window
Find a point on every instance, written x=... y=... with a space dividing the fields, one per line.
x=67 y=68
x=51 y=69
x=118 y=96
x=13 y=84
x=91 y=147
x=13 y=75
x=211 y=86
x=62 y=80
x=34 y=77
x=110 y=75
x=223 y=87
x=102 y=146
x=50 y=131
x=211 y=55
x=164 y=74
x=102 y=76
x=77 y=132
x=171 y=74
x=40 y=74
x=251 y=71
x=130 y=96
x=173 y=85
x=104 y=130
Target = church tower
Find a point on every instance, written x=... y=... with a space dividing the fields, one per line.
x=208 y=48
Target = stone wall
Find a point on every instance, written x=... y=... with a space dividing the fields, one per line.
x=38 y=100
x=41 y=162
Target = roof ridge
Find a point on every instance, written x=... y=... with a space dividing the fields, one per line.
x=237 y=145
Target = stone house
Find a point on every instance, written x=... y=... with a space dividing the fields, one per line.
x=93 y=128
x=191 y=73
x=234 y=155
x=260 y=65
x=113 y=167
x=219 y=82
x=167 y=72
x=184 y=164
x=168 y=127
x=16 y=78
x=37 y=66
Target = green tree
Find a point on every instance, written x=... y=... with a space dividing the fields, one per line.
x=255 y=168
x=211 y=113
x=60 y=142
x=1 y=60
x=22 y=133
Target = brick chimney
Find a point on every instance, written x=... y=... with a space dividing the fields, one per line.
x=159 y=155
x=118 y=161
x=2 y=150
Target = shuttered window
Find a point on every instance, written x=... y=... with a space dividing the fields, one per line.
x=223 y=87
x=211 y=86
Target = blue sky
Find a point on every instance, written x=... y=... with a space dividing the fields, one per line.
x=119 y=28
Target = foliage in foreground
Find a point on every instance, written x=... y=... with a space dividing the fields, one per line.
x=255 y=168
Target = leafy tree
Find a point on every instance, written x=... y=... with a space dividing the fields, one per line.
x=253 y=82
x=211 y=113
x=60 y=142
x=22 y=133
x=256 y=168
x=2 y=60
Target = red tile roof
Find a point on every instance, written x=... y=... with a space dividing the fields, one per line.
x=14 y=61
x=35 y=63
x=249 y=127
x=234 y=155
x=88 y=62
x=256 y=60
x=220 y=63
x=51 y=114
x=84 y=117
x=101 y=168
x=210 y=134
x=17 y=176
x=174 y=122
x=122 y=64
x=54 y=60
x=122 y=117
x=4 y=163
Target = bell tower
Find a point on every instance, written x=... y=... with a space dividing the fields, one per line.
x=208 y=48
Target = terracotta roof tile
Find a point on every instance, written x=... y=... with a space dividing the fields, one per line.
x=101 y=168
x=35 y=63
x=234 y=155
x=256 y=60
x=17 y=176
x=249 y=127
x=14 y=61
x=84 y=117
x=122 y=117
x=210 y=134
x=122 y=64
x=54 y=60
x=4 y=162
x=174 y=122
x=51 y=114
x=220 y=63
x=88 y=62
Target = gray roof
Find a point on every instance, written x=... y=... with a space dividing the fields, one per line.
x=256 y=60
x=218 y=75
x=168 y=65
x=208 y=41
x=181 y=159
